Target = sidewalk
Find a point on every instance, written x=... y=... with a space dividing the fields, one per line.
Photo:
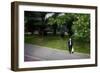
x=37 y=53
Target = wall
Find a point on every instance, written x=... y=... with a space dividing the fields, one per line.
x=5 y=36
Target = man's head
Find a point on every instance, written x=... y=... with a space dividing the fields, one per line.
x=70 y=39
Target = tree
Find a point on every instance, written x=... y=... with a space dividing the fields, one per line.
x=63 y=20
x=42 y=30
x=35 y=21
x=53 y=21
x=77 y=25
x=82 y=27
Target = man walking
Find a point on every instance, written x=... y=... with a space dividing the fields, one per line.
x=70 y=45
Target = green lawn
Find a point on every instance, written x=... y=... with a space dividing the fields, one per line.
x=56 y=42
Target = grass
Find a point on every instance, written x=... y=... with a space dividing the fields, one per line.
x=57 y=42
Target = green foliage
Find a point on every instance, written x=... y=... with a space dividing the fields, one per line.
x=66 y=17
x=82 y=27
x=79 y=24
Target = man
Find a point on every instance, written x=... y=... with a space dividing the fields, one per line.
x=70 y=45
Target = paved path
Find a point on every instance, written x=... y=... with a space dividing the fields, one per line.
x=37 y=53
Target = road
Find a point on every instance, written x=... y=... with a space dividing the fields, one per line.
x=39 y=53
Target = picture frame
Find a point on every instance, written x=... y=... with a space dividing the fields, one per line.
x=20 y=10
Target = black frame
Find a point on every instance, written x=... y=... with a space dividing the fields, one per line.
x=15 y=38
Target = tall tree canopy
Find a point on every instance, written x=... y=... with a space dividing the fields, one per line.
x=77 y=24
x=82 y=27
